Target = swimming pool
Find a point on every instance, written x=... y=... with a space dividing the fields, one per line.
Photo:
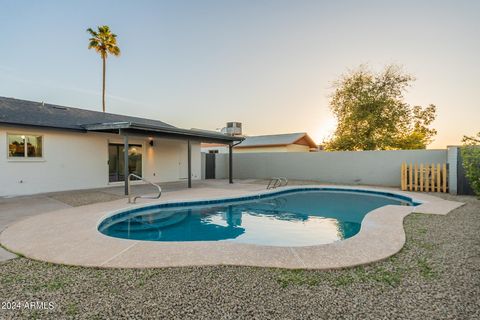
x=293 y=217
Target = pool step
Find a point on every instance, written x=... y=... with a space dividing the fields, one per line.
x=143 y=223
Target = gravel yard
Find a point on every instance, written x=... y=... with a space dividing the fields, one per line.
x=435 y=276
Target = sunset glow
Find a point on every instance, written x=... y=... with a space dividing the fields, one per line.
x=268 y=64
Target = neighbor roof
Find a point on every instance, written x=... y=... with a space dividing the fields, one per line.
x=211 y=145
x=276 y=140
x=31 y=113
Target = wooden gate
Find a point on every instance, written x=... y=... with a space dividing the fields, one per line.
x=424 y=177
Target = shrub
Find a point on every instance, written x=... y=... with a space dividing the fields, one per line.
x=471 y=161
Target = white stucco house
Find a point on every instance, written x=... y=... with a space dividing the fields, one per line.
x=47 y=148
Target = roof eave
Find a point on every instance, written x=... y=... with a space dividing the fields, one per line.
x=169 y=130
x=34 y=125
x=262 y=145
x=310 y=141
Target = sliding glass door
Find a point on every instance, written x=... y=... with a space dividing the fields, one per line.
x=116 y=163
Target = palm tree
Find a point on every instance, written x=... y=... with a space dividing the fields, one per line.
x=105 y=43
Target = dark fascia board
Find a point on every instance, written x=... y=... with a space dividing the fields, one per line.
x=106 y=126
x=41 y=126
x=113 y=126
x=166 y=135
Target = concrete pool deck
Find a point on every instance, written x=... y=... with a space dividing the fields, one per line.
x=70 y=236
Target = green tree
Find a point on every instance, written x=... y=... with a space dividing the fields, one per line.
x=372 y=115
x=471 y=161
x=105 y=43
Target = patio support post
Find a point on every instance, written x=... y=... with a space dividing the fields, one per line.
x=125 y=157
x=230 y=162
x=189 y=163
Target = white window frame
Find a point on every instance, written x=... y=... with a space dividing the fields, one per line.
x=25 y=158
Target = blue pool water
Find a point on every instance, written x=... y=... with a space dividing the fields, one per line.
x=299 y=217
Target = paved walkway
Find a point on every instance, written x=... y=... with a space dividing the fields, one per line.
x=18 y=208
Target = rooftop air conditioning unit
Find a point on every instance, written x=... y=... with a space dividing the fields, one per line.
x=233 y=129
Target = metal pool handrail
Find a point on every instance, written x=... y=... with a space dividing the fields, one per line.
x=277 y=182
x=144 y=196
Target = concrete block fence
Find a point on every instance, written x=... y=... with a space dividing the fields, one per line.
x=380 y=168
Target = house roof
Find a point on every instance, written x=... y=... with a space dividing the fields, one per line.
x=31 y=113
x=277 y=140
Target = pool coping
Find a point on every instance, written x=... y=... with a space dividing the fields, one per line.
x=70 y=236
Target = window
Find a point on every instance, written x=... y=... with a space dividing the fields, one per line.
x=25 y=146
x=213 y=151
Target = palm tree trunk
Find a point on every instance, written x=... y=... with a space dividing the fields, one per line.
x=103 y=91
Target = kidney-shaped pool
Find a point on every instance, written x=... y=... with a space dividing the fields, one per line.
x=294 y=217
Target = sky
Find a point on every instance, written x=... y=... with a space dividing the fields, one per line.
x=269 y=64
